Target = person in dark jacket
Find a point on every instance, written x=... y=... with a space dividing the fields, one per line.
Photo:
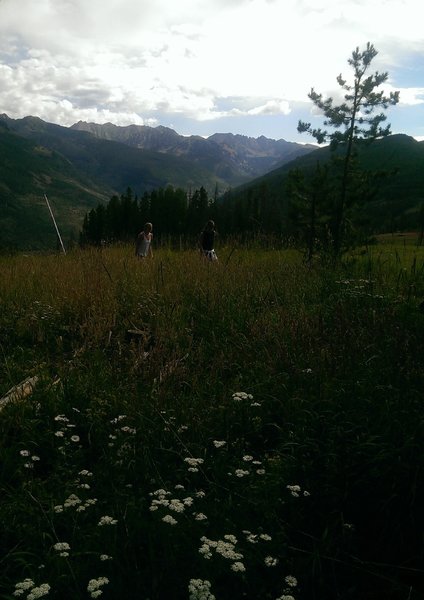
x=207 y=241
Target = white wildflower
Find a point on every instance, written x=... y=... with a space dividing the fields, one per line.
x=106 y=520
x=265 y=537
x=75 y=438
x=39 y=592
x=200 y=494
x=238 y=566
x=73 y=500
x=200 y=517
x=35 y=458
x=200 y=590
x=59 y=433
x=104 y=557
x=85 y=473
x=60 y=546
x=247 y=458
x=291 y=581
x=26 y=584
x=193 y=462
x=169 y=519
x=260 y=471
x=24 y=453
x=219 y=443
x=270 y=561
x=241 y=473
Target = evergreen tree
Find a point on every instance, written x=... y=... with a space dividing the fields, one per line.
x=350 y=122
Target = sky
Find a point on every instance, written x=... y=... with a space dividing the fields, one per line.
x=204 y=66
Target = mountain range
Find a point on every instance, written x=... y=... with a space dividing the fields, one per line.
x=79 y=166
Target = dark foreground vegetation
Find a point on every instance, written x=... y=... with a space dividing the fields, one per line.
x=252 y=428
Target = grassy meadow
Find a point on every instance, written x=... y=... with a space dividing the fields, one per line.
x=252 y=429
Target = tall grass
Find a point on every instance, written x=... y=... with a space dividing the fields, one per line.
x=229 y=427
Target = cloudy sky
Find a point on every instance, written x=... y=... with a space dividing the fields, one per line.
x=203 y=66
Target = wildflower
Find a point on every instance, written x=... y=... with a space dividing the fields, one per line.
x=106 y=520
x=238 y=396
x=73 y=500
x=59 y=433
x=85 y=473
x=260 y=471
x=35 y=458
x=200 y=494
x=200 y=517
x=39 y=592
x=254 y=404
x=238 y=566
x=205 y=550
x=169 y=519
x=270 y=561
x=188 y=501
x=291 y=581
x=58 y=508
x=75 y=438
x=61 y=418
x=286 y=597
x=94 y=586
x=24 y=585
x=61 y=546
x=241 y=473
x=294 y=490
x=247 y=458
x=84 y=486
x=193 y=462
x=104 y=557
x=28 y=465
x=176 y=505
x=24 y=453
x=252 y=538
x=193 y=469
x=179 y=487
x=200 y=590
x=265 y=537
x=219 y=443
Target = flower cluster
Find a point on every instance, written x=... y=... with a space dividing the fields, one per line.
x=106 y=520
x=27 y=585
x=296 y=490
x=94 y=586
x=199 y=589
x=62 y=548
x=240 y=396
x=193 y=463
x=225 y=548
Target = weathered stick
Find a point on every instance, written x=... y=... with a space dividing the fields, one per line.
x=19 y=391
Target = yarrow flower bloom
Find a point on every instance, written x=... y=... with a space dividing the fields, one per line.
x=75 y=438
x=200 y=590
x=62 y=548
x=106 y=520
x=238 y=566
x=200 y=516
x=239 y=396
x=39 y=592
x=22 y=586
x=270 y=561
x=291 y=581
x=219 y=443
x=169 y=519
x=104 y=557
x=247 y=458
x=241 y=473
x=94 y=586
x=24 y=452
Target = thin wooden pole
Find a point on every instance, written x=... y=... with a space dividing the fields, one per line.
x=55 y=224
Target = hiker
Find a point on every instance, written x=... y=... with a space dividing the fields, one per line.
x=207 y=240
x=143 y=243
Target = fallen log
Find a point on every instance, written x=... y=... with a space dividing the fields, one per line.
x=19 y=391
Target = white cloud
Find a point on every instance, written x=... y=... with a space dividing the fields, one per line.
x=131 y=60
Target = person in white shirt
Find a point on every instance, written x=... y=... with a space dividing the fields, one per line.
x=143 y=243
